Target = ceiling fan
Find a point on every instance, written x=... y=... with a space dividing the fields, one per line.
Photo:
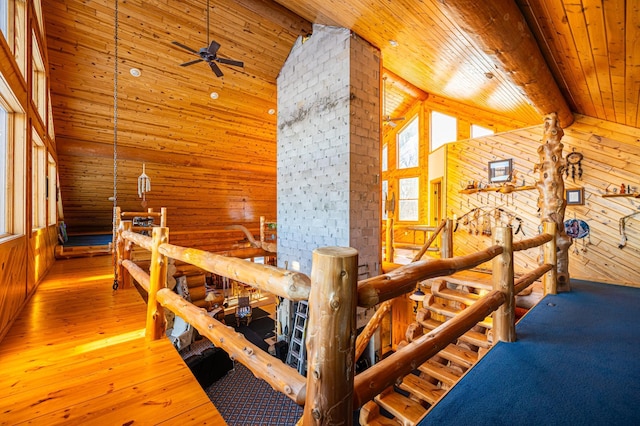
x=387 y=119
x=209 y=54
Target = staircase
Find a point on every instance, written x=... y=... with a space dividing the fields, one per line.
x=408 y=401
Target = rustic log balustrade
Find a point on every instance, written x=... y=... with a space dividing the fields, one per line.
x=330 y=392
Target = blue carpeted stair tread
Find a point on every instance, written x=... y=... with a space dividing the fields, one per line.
x=447 y=375
x=421 y=388
x=401 y=407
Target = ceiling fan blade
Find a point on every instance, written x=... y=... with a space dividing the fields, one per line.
x=230 y=62
x=213 y=48
x=185 y=47
x=195 y=61
x=216 y=69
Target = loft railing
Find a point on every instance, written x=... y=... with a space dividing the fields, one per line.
x=331 y=390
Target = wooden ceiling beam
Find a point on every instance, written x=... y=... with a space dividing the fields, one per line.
x=499 y=28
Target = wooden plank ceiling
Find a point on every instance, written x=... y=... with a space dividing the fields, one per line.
x=226 y=146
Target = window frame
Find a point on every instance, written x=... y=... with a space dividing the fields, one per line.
x=402 y=199
x=433 y=128
x=399 y=144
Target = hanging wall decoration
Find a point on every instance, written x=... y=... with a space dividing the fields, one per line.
x=144 y=186
x=574 y=165
x=578 y=230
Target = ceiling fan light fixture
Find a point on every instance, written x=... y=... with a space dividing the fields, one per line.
x=135 y=72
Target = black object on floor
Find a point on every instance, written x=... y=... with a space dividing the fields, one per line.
x=209 y=366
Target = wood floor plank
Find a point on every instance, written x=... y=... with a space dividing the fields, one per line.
x=77 y=354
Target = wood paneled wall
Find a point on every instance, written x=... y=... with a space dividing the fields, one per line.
x=25 y=254
x=611 y=157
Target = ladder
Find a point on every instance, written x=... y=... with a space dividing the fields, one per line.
x=297 y=356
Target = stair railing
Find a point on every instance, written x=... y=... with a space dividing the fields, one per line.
x=331 y=389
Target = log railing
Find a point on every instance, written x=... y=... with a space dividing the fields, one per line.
x=331 y=390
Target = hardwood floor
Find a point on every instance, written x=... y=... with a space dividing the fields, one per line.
x=77 y=355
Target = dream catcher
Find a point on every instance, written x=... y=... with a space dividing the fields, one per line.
x=578 y=230
x=574 y=165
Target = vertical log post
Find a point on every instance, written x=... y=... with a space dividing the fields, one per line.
x=124 y=277
x=446 y=248
x=551 y=201
x=550 y=280
x=262 y=221
x=157 y=280
x=331 y=336
x=504 y=317
x=118 y=253
x=388 y=240
x=163 y=217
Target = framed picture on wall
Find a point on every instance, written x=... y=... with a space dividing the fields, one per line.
x=500 y=171
x=574 y=196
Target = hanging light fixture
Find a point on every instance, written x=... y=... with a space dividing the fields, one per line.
x=144 y=186
x=417 y=297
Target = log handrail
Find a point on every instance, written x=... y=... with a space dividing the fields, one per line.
x=431 y=239
x=536 y=241
x=270 y=247
x=291 y=285
x=296 y=286
x=387 y=372
x=403 y=280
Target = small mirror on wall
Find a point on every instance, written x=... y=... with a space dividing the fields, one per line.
x=575 y=196
x=500 y=171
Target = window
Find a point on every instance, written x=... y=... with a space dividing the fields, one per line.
x=385 y=158
x=39 y=81
x=479 y=131
x=12 y=162
x=408 y=144
x=4 y=141
x=385 y=193
x=408 y=202
x=4 y=17
x=51 y=192
x=38 y=180
x=444 y=128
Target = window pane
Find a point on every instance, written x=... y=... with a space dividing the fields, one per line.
x=385 y=158
x=408 y=146
x=4 y=141
x=444 y=128
x=408 y=204
x=4 y=16
x=479 y=131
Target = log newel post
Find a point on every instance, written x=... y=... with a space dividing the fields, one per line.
x=447 y=240
x=262 y=233
x=119 y=247
x=163 y=217
x=124 y=277
x=550 y=279
x=388 y=241
x=331 y=336
x=157 y=280
x=504 y=317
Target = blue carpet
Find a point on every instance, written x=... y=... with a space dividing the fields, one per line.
x=88 y=240
x=576 y=362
